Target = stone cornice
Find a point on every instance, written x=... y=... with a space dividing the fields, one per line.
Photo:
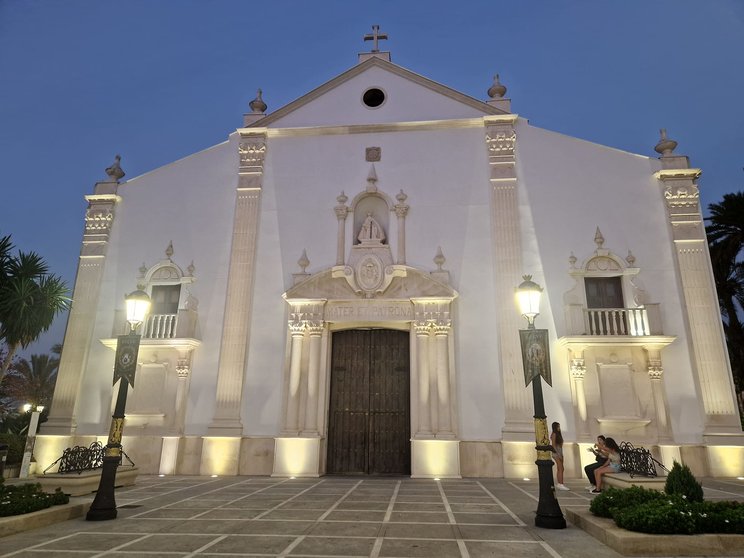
x=103 y=198
x=178 y=343
x=422 y=125
x=677 y=174
x=658 y=341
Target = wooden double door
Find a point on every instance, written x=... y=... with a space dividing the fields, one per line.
x=369 y=426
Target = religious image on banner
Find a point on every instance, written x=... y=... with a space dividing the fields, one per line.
x=125 y=365
x=535 y=354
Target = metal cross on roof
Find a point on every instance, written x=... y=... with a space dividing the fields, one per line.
x=376 y=36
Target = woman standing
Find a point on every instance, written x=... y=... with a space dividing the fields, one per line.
x=612 y=466
x=556 y=440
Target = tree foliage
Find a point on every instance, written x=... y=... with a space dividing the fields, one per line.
x=30 y=298
x=725 y=232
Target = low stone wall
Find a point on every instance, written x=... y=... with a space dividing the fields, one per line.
x=630 y=543
x=80 y=484
x=624 y=480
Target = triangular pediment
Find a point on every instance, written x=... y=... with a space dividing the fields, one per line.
x=408 y=97
x=413 y=284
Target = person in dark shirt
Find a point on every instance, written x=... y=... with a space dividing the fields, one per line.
x=600 y=454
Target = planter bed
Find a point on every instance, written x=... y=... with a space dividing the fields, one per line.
x=80 y=484
x=34 y=520
x=631 y=543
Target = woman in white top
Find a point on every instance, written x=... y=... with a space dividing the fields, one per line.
x=611 y=466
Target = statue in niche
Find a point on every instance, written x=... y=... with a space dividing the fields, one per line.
x=371 y=231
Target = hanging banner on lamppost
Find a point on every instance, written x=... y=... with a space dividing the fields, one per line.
x=125 y=365
x=535 y=354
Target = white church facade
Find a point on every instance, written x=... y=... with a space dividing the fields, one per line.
x=333 y=293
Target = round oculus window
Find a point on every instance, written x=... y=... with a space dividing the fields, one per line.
x=373 y=97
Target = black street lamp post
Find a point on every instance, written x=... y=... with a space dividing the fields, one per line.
x=536 y=362
x=125 y=365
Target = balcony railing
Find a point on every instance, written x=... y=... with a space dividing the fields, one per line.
x=182 y=325
x=160 y=326
x=614 y=321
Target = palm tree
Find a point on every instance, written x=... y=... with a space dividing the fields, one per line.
x=30 y=298
x=726 y=241
x=32 y=381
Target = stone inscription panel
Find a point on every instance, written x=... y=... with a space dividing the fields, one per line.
x=369 y=311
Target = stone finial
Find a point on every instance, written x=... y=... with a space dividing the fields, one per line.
x=115 y=171
x=497 y=90
x=439 y=259
x=372 y=179
x=572 y=261
x=191 y=269
x=630 y=258
x=342 y=198
x=376 y=36
x=257 y=105
x=169 y=250
x=401 y=197
x=142 y=270
x=599 y=239
x=303 y=262
x=666 y=146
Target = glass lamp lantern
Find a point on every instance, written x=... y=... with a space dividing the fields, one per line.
x=138 y=305
x=528 y=299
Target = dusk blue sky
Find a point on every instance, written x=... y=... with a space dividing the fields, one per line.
x=158 y=80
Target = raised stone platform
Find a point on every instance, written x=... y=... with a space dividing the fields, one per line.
x=34 y=520
x=630 y=543
x=80 y=484
x=624 y=480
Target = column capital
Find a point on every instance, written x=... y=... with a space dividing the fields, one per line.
x=578 y=368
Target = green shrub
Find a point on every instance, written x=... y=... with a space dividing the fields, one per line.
x=614 y=499
x=26 y=498
x=16 y=444
x=675 y=515
x=682 y=482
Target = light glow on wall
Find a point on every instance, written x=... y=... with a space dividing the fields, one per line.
x=296 y=457
x=220 y=456
x=726 y=461
x=435 y=459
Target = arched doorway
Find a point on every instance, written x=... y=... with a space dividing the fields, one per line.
x=369 y=424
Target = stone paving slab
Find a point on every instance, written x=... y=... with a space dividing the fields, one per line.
x=326 y=517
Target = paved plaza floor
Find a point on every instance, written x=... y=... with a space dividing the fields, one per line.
x=329 y=516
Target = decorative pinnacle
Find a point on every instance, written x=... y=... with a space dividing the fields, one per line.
x=599 y=239
x=401 y=197
x=169 y=250
x=303 y=262
x=439 y=259
x=497 y=90
x=115 y=171
x=257 y=105
x=666 y=146
x=343 y=198
x=191 y=269
x=630 y=258
x=142 y=270
x=572 y=260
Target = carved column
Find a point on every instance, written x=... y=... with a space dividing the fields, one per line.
x=578 y=372
x=313 y=376
x=702 y=312
x=297 y=331
x=239 y=296
x=507 y=256
x=183 y=370
x=342 y=210
x=99 y=219
x=442 y=331
x=422 y=366
x=655 y=374
x=401 y=210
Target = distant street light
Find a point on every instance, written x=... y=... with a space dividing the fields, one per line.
x=536 y=362
x=33 y=425
x=125 y=366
